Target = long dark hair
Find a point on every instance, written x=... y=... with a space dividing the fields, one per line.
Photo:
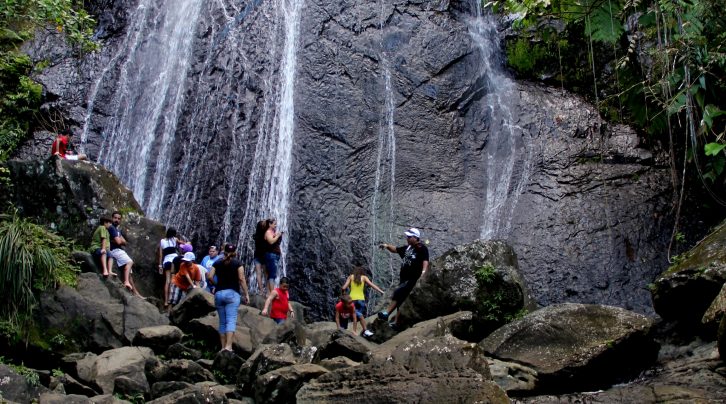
x=260 y=231
x=170 y=232
x=358 y=273
x=230 y=251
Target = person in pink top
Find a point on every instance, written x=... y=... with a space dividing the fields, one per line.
x=278 y=303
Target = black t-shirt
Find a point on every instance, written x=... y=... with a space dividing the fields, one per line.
x=227 y=277
x=114 y=232
x=413 y=259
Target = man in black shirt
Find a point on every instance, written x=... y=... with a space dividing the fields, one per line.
x=415 y=257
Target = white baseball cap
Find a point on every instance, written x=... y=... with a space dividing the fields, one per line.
x=189 y=257
x=412 y=232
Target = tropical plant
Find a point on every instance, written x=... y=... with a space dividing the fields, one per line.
x=32 y=260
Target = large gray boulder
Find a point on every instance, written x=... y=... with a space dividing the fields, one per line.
x=196 y=304
x=574 y=347
x=482 y=277
x=158 y=338
x=102 y=371
x=97 y=315
x=265 y=359
x=17 y=388
x=685 y=291
x=281 y=385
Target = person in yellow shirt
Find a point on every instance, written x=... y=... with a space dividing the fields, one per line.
x=357 y=281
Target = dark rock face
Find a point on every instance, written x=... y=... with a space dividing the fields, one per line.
x=371 y=77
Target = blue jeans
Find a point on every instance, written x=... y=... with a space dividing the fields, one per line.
x=227 y=302
x=271 y=260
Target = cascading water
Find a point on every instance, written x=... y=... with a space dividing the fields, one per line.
x=147 y=97
x=508 y=151
x=269 y=180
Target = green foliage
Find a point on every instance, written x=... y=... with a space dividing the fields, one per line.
x=494 y=303
x=31 y=260
x=20 y=96
x=658 y=64
x=29 y=374
x=524 y=56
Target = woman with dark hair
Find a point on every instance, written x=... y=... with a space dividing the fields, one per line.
x=167 y=253
x=357 y=282
x=230 y=281
x=259 y=260
x=273 y=240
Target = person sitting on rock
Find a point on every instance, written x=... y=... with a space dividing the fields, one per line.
x=100 y=245
x=415 y=257
x=344 y=312
x=357 y=282
x=185 y=280
x=62 y=146
x=279 y=299
x=118 y=242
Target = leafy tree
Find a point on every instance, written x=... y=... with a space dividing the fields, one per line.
x=32 y=260
x=20 y=96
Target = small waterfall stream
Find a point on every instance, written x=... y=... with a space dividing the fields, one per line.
x=508 y=150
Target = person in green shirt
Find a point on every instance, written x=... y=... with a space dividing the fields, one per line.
x=100 y=243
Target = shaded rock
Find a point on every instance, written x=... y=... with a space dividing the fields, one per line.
x=451 y=285
x=207 y=329
x=17 y=388
x=197 y=304
x=281 y=385
x=685 y=291
x=574 y=347
x=340 y=362
x=392 y=383
x=97 y=315
x=290 y=332
x=160 y=389
x=317 y=334
x=203 y=392
x=721 y=338
x=103 y=369
x=512 y=377
x=181 y=351
x=108 y=399
x=226 y=365
x=159 y=338
x=716 y=311
x=440 y=354
x=131 y=387
x=72 y=386
x=343 y=343
x=437 y=327
x=265 y=359
x=260 y=326
x=55 y=398
x=187 y=371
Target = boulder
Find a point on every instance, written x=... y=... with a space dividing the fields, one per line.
x=716 y=311
x=281 y=385
x=186 y=370
x=197 y=304
x=512 y=377
x=393 y=383
x=160 y=389
x=130 y=386
x=482 y=277
x=97 y=315
x=318 y=333
x=721 y=338
x=340 y=362
x=101 y=371
x=17 y=388
x=436 y=327
x=206 y=329
x=72 y=386
x=108 y=399
x=343 y=343
x=56 y=398
x=202 y=392
x=685 y=291
x=265 y=359
x=260 y=326
x=226 y=365
x=159 y=338
x=181 y=351
x=573 y=347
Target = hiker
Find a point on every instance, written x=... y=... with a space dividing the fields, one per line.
x=415 y=262
x=100 y=245
x=279 y=303
x=357 y=282
x=230 y=281
x=61 y=146
x=344 y=312
x=207 y=262
x=167 y=252
x=188 y=278
x=272 y=252
x=119 y=254
x=259 y=256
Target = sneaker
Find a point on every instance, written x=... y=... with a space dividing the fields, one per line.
x=394 y=326
x=383 y=315
x=367 y=333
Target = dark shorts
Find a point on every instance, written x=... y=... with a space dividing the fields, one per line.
x=279 y=320
x=271 y=261
x=168 y=265
x=403 y=290
x=97 y=253
x=344 y=322
x=360 y=307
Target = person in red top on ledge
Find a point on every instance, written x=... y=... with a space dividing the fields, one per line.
x=60 y=146
x=280 y=301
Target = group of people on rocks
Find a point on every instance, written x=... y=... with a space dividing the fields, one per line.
x=107 y=245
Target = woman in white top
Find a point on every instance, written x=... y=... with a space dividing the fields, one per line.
x=167 y=253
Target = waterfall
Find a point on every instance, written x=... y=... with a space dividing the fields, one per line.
x=508 y=152
x=151 y=66
x=269 y=181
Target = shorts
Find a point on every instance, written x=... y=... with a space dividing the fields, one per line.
x=71 y=157
x=344 y=322
x=360 y=307
x=167 y=266
x=271 y=261
x=176 y=294
x=258 y=261
x=97 y=253
x=121 y=257
x=403 y=290
x=279 y=320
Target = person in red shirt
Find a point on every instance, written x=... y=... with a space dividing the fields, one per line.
x=344 y=312
x=280 y=302
x=61 y=144
x=186 y=279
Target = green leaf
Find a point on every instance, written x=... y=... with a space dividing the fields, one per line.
x=603 y=25
x=713 y=149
